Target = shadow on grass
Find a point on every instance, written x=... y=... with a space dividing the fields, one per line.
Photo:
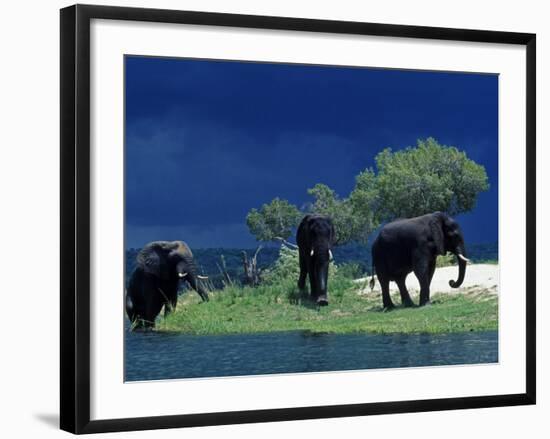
x=395 y=307
x=302 y=298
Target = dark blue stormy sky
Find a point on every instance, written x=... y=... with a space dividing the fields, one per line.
x=208 y=140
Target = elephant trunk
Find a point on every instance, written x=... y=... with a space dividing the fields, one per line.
x=187 y=270
x=462 y=261
x=198 y=286
x=321 y=264
x=322 y=296
x=202 y=291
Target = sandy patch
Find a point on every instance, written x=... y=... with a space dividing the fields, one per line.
x=479 y=277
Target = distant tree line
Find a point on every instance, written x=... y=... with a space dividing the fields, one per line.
x=406 y=183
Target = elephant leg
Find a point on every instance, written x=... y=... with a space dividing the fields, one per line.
x=140 y=302
x=432 y=270
x=303 y=272
x=136 y=299
x=312 y=280
x=147 y=324
x=425 y=287
x=386 y=299
x=422 y=271
x=154 y=298
x=146 y=318
x=405 y=296
x=312 y=284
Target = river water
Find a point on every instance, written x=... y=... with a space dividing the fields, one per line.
x=155 y=356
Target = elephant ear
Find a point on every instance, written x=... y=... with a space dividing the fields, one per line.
x=436 y=228
x=181 y=249
x=153 y=258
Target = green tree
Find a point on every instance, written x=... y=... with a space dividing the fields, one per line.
x=327 y=202
x=352 y=219
x=406 y=183
x=273 y=220
x=427 y=178
x=365 y=205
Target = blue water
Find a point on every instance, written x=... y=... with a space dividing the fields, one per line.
x=154 y=356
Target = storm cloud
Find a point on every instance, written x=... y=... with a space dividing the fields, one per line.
x=206 y=141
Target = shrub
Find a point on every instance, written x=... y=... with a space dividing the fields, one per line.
x=445 y=260
x=287 y=267
x=350 y=270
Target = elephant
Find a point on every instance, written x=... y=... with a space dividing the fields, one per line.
x=413 y=244
x=161 y=265
x=315 y=237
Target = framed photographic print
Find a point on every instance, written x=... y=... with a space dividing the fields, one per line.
x=268 y=218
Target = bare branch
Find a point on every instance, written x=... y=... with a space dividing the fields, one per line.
x=285 y=242
x=223 y=271
x=251 y=272
x=257 y=251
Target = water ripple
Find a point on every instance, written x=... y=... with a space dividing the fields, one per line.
x=154 y=356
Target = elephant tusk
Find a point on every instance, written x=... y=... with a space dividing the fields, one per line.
x=465 y=259
x=330 y=255
x=202 y=277
x=311 y=253
x=182 y=275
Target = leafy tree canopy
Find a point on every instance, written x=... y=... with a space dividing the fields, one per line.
x=406 y=183
x=427 y=178
x=274 y=220
x=351 y=216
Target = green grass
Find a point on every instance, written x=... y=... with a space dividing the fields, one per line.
x=280 y=307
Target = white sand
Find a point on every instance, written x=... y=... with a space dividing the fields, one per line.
x=479 y=278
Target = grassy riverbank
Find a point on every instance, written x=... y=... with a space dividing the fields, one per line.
x=280 y=307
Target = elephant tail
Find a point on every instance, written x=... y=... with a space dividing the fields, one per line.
x=371 y=283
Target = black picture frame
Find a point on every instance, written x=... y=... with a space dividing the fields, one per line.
x=75 y=217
